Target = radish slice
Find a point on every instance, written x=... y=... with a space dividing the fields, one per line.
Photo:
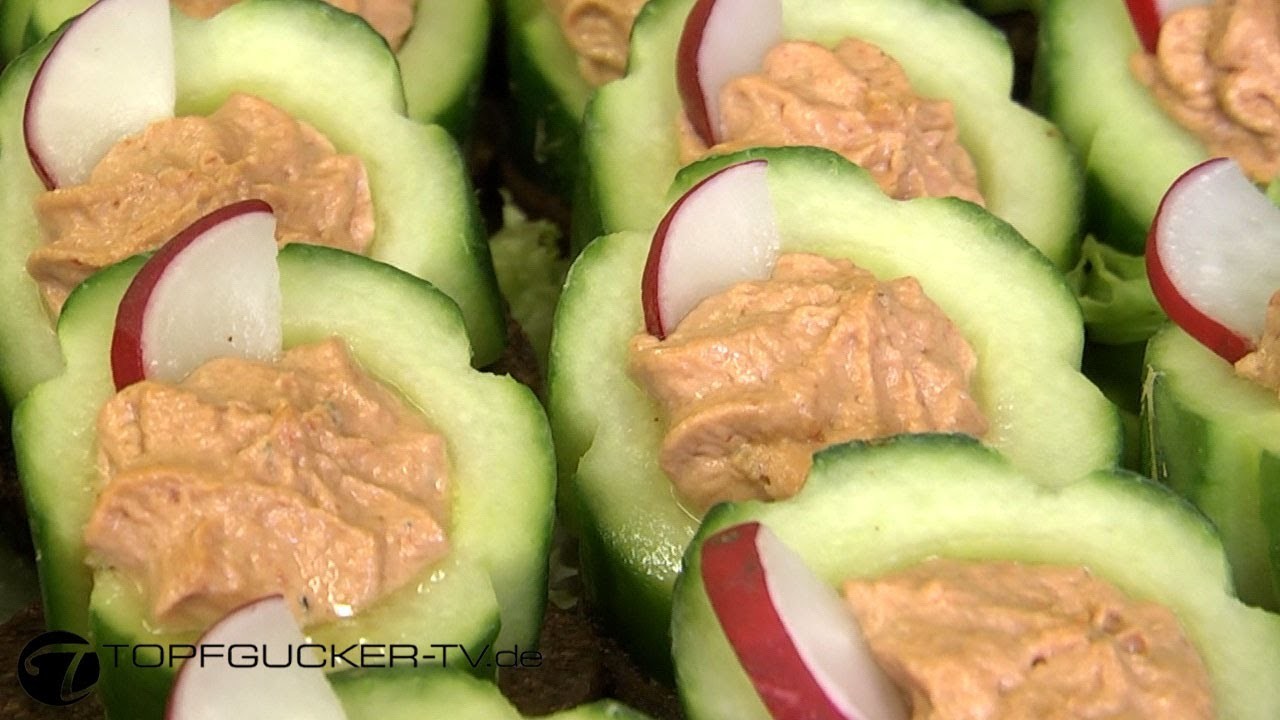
x=722 y=39
x=723 y=231
x=797 y=641
x=211 y=291
x=1149 y=15
x=1213 y=256
x=109 y=75
x=209 y=687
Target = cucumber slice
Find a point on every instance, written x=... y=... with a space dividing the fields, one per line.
x=1012 y=306
x=550 y=95
x=1215 y=438
x=439 y=693
x=427 y=222
x=403 y=332
x=871 y=509
x=441 y=59
x=14 y=18
x=1134 y=151
x=946 y=50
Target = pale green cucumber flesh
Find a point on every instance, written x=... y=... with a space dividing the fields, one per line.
x=1215 y=438
x=1133 y=150
x=1012 y=306
x=439 y=693
x=403 y=332
x=549 y=93
x=871 y=509
x=426 y=219
x=1027 y=172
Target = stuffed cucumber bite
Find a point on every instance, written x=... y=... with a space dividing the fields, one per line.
x=207 y=112
x=440 y=46
x=362 y=468
x=1145 y=90
x=927 y=118
x=674 y=386
x=1211 y=394
x=931 y=575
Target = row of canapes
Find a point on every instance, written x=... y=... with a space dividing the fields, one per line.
x=230 y=435
x=643 y=455
x=1016 y=341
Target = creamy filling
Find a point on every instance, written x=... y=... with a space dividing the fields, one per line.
x=599 y=31
x=150 y=186
x=1216 y=71
x=855 y=100
x=1262 y=366
x=305 y=477
x=391 y=18
x=757 y=378
x=1003 y=640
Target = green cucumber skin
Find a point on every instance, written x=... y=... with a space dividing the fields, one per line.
x=441 y=59
x=404 y=332
x=1210 y=436
x=433 y=693
x=15 y=15
x=631 y=148
x=870 y=508
x=1133 y=150
x=608 y=432
x=549 y=94
x=426 y=218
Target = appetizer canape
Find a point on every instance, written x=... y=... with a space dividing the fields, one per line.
x=707 y=360
x=134 y=120
x=915 y=90
x=188 y=459
x=440 y=46
x=1209 y=404
x=979 y=591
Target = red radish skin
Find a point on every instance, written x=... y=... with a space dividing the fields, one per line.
x=128 y=365
x=91 y=89
x=733 y=575
x=1149 y=15
x=1146 y=21
x=721 y=40
x=649 y=279
x=723 y=230
x=1210 y=333
x=688 y=72
x=790 y=632
x=28 y=134
x=1229 y=257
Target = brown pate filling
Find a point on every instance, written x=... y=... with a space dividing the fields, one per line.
x=1216 y=71
x=152 y=185
x=757 y=378
x=1011 y=641
x=599 y=31
x=855 y=100
x=305 y=477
